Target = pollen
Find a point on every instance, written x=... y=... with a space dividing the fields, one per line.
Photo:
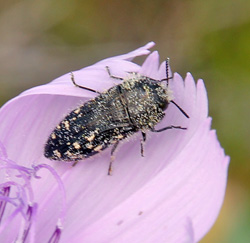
x=89 y=146
x=77 y=111
x=57 y=153
x=66 y=124
x=76 y=145
x=69 y=154
x=90 y=138
x=170 y=95
x=147 y=90
x=53 y=136
x=98 y=148
x=120 y=136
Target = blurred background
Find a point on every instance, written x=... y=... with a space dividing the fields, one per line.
x=41 y=40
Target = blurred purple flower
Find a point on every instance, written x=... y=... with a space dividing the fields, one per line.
x=173 y=194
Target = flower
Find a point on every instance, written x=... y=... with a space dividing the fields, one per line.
x=173 y=194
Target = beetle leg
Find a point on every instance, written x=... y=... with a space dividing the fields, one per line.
x=143 y=140
x=169 y=127
x=182 y=111
x=82 y=87
x=112 y=158
x=74 y=164
x=111 y=76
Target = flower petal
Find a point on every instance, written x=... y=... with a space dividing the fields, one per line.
x=166 y=196
x=151 y=65
x=169 y=200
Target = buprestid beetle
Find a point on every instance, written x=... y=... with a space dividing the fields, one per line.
x=136 y=104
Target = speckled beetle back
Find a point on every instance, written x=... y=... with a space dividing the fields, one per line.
x=137 y=104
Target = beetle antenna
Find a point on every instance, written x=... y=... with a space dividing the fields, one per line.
x=182 y=111
x=167 y=69
x=167 y=72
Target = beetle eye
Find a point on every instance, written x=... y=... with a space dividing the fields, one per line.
x=163 y=104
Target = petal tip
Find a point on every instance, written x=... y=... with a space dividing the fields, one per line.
x=149 y=45
x=189 y=76
x=177 y=75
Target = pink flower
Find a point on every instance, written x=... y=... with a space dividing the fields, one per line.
x=173 y=194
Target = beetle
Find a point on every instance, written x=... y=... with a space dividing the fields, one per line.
x=136 y=104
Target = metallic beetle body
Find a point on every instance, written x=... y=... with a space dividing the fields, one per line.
x=137 y=104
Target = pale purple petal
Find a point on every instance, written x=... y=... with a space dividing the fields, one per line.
x=173 y=194
x=141 y=51
x=151 y=65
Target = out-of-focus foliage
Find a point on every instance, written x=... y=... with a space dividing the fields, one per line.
x=41 y=40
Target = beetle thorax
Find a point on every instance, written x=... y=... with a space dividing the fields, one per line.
x=146 y=100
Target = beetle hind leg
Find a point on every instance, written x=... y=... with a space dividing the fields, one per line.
x=169 y=127
x=143 y=140
x=74 y=164
x=112 y=158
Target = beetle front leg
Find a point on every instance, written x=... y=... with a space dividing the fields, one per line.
x=82 y=87
x=112 y=76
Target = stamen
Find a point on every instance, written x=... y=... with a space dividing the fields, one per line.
x=8 y=220
x=5 y=193
x=61 y=189
x=31 y=212
x=23 y=199
x=56 y=236
x=19 y=202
